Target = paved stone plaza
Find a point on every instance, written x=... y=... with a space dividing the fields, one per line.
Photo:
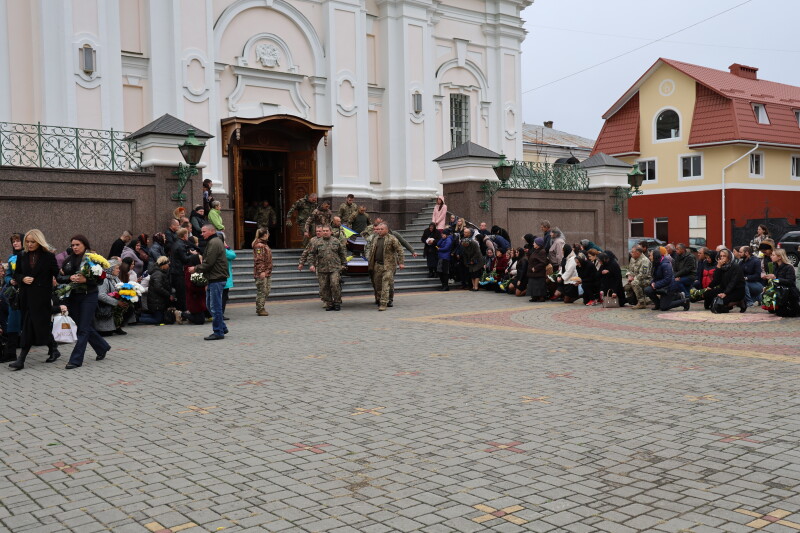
x=449 y=412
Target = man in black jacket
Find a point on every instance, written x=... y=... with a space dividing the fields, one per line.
x=215 y=269
x=119 y=244
x=684 y=267
x=172 y=234
x=159 y=293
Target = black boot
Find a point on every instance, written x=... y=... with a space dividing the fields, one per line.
x=19 y=364
x=53 y=353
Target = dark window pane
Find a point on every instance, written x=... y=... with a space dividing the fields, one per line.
x=667 y=125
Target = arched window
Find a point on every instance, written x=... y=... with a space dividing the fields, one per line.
x=668 y=125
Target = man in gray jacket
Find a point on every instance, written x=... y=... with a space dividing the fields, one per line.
x=215 y=269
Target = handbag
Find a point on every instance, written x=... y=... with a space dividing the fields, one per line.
x=11 y=295
x=64 y=329
x=610 y=301
x=718 y=306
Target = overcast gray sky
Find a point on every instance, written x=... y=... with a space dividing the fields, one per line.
x=566 y=36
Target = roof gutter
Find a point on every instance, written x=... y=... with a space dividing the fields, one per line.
x=723 y=187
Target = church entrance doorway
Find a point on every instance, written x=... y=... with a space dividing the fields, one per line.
x=274 y=159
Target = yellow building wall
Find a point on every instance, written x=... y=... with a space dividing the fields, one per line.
x=669 y=88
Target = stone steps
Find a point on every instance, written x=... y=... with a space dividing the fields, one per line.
x=288 y=282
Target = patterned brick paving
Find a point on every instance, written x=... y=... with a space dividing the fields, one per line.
x=499 y=417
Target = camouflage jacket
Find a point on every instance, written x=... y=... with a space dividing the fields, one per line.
x=262 y=260
x=304 y=255
x=640 y=270
x=304 y=208
x=346 y=212
x=392 y=252
x=266 y=217
x=318 y=218
x=327 y=255
x=338 y=233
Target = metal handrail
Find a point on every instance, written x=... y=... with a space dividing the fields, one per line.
x=38 y=145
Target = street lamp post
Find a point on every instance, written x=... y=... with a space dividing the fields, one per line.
x=622 y=194
x=192 y=151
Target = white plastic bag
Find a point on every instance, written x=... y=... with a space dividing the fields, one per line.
x=64 y=329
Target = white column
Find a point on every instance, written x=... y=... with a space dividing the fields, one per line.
x=111 y=96
x=56 y=62
x=5 y=65
x=165 y=33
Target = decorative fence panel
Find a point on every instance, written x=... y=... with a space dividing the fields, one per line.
x=37 y=145
x=541 y=176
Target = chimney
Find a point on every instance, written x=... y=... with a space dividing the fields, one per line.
x=743 y=71
x=548 y=124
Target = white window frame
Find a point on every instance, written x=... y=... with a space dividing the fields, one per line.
x=750 y=165
x=655 y=226
x=655 y=168
x=760 y=112
x=680 y=166
x=465 y=131
x=630 y=227
x=655 y=126
x=794 y=167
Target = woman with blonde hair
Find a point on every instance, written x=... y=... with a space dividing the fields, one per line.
x=36 y=269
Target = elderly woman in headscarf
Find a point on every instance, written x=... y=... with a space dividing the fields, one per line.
x=611 y=277
x=587 y=245
x=556 y=252
x=590 y=279
x=112 y=313
x=728 y=284
x=537 y=271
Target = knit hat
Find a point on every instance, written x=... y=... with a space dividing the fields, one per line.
x=529 y=238
x=538 y=241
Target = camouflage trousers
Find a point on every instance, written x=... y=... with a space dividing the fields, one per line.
x=263 y=286
x=635 y=291
x=330 y=286
x=383 y=284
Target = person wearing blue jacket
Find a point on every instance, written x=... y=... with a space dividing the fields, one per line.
x=230 y=255
x=751 y=269
x=443 y=248
x=665 y=292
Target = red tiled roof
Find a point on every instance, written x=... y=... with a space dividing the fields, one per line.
x=620 y=133
x=723 y=110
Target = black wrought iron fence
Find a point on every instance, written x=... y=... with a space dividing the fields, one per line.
x=37 y=145
x=543 y=176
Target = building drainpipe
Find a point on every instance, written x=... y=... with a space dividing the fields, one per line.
x=723 y=187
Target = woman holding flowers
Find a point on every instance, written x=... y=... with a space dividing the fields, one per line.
x=82 y=271
x=115 y=302
x=34 y=275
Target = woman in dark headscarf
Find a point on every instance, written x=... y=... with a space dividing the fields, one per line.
x=590 y=279
x=430 y=237
x=611 y=277
x=728 y=284
x=157 y=247
x=537 y=267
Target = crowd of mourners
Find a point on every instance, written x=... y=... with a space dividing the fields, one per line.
x=184 y=274
x=546 y=267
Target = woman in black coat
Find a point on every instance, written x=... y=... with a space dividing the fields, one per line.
x=590 y=279
x=611 y=277
x=82 y=304
x=728 y=284
x=34 y=275
x=788 y=298
x=429 y=251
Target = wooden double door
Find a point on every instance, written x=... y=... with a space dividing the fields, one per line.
x=273 y=159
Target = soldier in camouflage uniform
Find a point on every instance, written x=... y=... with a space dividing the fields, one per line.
x=265 y=216
x=369 y=235
x=304 y=207
x=348 y=209
x=262 y=269
x=328 y=260
x=307 y=250
x=322 y=216
x=639 y=277
x=337 y=232
x=386 y=256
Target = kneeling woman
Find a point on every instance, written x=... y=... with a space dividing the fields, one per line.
x=728 y=284
x=786 y=303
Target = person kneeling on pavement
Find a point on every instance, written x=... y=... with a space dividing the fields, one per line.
x=665 y=292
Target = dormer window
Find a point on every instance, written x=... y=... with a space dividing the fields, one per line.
x=760 y=110
x=668 y=125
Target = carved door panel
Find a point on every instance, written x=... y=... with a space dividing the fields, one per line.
x=301 y=179
x=236 y=197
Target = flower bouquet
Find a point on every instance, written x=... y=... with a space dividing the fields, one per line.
x=93 y=268
x=130 y=292
x=198 y=279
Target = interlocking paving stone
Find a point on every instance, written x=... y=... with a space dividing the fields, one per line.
x=619 y=447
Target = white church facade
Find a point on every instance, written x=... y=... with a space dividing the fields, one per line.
x=327 y=96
